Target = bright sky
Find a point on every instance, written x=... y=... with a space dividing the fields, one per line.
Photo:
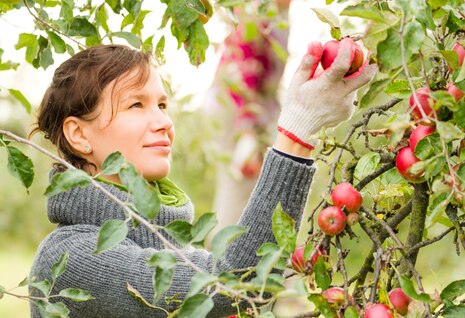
x=304 y=27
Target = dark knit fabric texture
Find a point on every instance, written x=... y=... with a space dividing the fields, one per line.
x=81 y=212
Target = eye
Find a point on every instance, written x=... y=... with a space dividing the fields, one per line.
x=163 y=106
x=136 y=105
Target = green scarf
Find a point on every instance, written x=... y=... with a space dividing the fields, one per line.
x=168 y=192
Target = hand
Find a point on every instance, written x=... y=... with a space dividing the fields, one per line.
x=311 y=103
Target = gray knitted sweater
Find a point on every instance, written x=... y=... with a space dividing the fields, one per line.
x=81 y=212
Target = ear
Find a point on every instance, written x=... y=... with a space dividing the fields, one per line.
x=73 y=129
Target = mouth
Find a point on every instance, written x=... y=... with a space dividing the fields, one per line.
x=162 y=146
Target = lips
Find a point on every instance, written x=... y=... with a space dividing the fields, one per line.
x=161 y=143
x=161 y=146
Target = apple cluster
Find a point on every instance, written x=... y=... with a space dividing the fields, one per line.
x=421 y=105
x=332 y=220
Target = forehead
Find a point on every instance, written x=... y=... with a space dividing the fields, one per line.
x=138 y=80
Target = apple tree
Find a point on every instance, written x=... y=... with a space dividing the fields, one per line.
x=395 y=173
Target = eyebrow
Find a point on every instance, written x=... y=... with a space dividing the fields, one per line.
x=162 y=97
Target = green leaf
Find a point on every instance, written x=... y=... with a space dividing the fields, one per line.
x=145 y=196
x=436 y=207
x=325 y=15
x=31 y=43
x=76 y=294
x=66 y=11
x=197 y=306
x=374 y=90
x=162 y=279
x=428 y=146
x=451 y=57
x=159 y=51
x=197 y=43
x=364 y=12
x=203 y=226
x=113 y=163
x=283 y=229
x=20 y=166
x=57 y=310
x=459 y=117
x=44 y=286
x=199 y=281
x=453 y=290
x=389 y=54
x=180 y=230
x=407 y=286
x=20 y=97
x=448 y=131
x=131 y=38
x=366 y=165
x=461 y=74
x=139 y=23
x=65 y=181
x=224 y=237
x=101 y=17
x=137 y=295
x=111 y=234
x=434 y=166
x=2 y=291
x=414 y=36
x=59 y=267
x=266 y=264
x=322 y=278
x=115 y=5
x=46 y=57
x=322 y=305
x=457 y=311
x=376 y=32
x=351 y=312
x=162 y=259
x=57 y=42
x=80 y=26
x=266 y=248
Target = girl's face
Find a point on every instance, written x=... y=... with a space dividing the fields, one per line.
x=132 y=119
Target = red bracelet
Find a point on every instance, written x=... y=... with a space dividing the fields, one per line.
x=295 y=138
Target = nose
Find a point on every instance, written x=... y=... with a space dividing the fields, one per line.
x=160 y=120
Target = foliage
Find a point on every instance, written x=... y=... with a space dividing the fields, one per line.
x=411 y=41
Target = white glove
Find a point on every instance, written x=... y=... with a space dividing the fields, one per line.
x=311 y=103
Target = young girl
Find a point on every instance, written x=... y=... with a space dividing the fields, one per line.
x=110 y=98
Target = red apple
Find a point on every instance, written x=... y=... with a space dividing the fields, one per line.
x=345 y=196
x=378 y=311
x=457 y=47
x=352 y=218
x=405 y=159
x=399 y=300
x=455 y=92
x=424 y=100
x=297 y=258
x=332 y=220
x=330 y=50
x=334 y=295
x=420 y=132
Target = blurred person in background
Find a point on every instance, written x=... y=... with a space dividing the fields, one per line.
x=244 y=100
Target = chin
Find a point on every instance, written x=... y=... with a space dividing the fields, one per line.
x=157 y=175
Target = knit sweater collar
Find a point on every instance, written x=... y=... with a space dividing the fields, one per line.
x=90 y=206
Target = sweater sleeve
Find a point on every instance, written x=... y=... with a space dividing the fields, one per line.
x=106 y=275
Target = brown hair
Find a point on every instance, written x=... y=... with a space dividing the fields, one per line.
x=76 y=88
